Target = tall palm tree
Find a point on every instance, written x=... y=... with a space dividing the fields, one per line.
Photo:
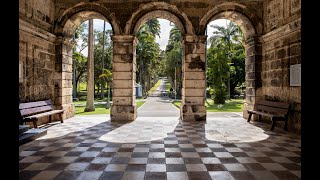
x=90 y=78
x=154 y=27
x=107 y=76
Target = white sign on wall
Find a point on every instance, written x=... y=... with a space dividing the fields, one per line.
x=295 y=75
x=20 y=72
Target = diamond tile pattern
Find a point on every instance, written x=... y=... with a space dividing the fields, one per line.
x=185 y=153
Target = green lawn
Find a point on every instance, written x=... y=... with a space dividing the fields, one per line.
x=232 y=105
x=99 y=108
x=168 y=86
x=154 y=87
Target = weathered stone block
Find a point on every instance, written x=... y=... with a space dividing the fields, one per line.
x=122 y=67
x=123 y=48
x=66 y=68
x=194 y=66
x=194 y=100
x=122 y=75
x=123 y=92
x=190 y=58
x=194 y=84
x=122 y=84
x=194 y=92
x=122 y=100
x=194 y=75
x=123 y=58
x=123 y=113
x=66 y=84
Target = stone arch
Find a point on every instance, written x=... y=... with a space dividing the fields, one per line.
x=159 y=10
x=67 y=23
x=236 y=13
x=158 y=14
x=252 y=28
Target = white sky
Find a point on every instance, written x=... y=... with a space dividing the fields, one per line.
x=164 y=30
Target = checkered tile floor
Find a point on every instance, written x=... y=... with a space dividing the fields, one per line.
x=99 y=149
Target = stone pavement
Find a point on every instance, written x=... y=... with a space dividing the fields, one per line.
x=158 y=105
x=224 y=147
x=157 y=145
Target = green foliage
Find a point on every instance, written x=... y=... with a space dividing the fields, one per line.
x=225 y=59
x=232 y=105
x=148 y=57
x=173 y=59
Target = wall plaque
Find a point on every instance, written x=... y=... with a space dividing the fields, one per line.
x=295 y=75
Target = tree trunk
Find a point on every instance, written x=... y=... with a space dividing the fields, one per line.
x=102 y=84
x=90 y=78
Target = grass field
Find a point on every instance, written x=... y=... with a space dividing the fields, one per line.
x=232 y=105
x=99 y=108
x=154 y=87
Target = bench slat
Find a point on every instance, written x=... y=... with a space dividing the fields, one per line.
x=272 y=110
x=35 y=104
x=36 y=116
x=282 y=105
x=25 y=112
x=265 y=114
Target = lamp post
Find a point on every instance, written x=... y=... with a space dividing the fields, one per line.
x=229 y=81
x=175 y=83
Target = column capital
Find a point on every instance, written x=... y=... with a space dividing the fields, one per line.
x=63 y=40
x=253 y=40
x=124 y=39
x=194 y=38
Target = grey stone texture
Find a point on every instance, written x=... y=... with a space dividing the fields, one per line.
x=272 y=30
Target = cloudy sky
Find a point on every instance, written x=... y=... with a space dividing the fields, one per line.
x=164 y=30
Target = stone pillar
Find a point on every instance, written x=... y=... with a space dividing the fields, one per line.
x=124 y=78
x=253 y=70
x=63 y=77
x=194 y=83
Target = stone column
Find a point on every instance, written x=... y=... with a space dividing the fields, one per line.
x=194 y=84
x=253 y=70
x=63 y=77
x=124 y=78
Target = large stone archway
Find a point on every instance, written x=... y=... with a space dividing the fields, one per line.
x=273 y=41
x=252 y=30
x=64 y=29
x=192 y=107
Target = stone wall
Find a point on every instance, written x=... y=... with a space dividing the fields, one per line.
x=36 y=52
x=273 y=44
x=281 y=48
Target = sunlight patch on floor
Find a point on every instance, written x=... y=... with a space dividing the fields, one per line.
x=142 y=129
x=233 y=130
x=74 y=124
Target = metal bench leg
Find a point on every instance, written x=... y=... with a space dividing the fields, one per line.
x=249 y=118
x=61 y=119
x=273 y=124
x=35 y=125
x=286 y=125
x=50 y=119
x=259 y=118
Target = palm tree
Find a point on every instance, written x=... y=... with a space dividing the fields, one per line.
x=154 y=27
x=107 y=76
x=90 y=78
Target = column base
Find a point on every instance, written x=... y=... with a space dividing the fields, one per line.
x=123 y=113
x=193 y=112
x=69 y=112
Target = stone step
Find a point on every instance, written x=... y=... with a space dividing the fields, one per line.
x=31 y=135
x=23 y=128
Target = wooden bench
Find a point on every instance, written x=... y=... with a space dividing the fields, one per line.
x=32 y=111
x=277 y=111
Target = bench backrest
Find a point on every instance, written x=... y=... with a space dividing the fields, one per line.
x=36 y=107
x=279 y=108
